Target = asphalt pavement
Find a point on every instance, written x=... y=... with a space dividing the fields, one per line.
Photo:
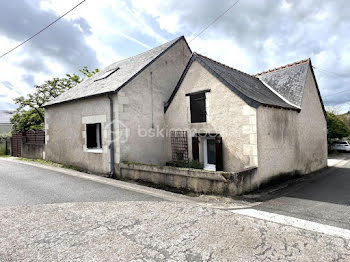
x=49 y=214
x=323 y=197
x=155 y=231
x=22 y=184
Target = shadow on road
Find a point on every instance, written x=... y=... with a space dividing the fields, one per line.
x=332 y=186
x=322 y=197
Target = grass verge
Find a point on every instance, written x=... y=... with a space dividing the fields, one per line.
x=50 y=163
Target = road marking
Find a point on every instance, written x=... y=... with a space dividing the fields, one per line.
x=333 y=162
x=295 y=222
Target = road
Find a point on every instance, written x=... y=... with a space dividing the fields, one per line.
x=23 y=184
x=50 y=215
x=323 y=197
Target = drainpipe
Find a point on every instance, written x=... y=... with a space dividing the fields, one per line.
x=111 y=145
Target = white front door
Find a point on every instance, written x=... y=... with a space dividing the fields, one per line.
x=209 y=154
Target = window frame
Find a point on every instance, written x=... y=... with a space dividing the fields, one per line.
x=98 y=138
x=198 y=109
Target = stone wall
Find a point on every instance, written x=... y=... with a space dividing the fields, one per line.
x=227 y=115
x=65 y=133
x=193 y=180
x=33 y=151
x=291 y=141
x=140 y=110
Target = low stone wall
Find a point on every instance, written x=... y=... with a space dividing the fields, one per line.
x=194 y=180
x=33 y=151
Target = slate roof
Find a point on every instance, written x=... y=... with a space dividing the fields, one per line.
x=128 y=69
x=5 y=116
x=248 y=87
x=288 y=80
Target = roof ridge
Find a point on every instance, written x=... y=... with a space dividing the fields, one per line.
x=148 y=50
x=205 y=57
x=128 y=72
x=284 y=66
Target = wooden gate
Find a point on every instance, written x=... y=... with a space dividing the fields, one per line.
x=16 y=145
x=27 y=138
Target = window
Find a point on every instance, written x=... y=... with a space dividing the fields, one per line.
x=93 y=136
x=197 y=107
x=106 y=74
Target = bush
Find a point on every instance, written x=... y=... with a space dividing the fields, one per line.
x=336 y=127
x=186 y=164
x=3 y=139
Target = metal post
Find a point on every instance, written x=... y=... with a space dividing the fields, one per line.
x=6 y=146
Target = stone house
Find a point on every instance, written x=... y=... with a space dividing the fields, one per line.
x=169 y=103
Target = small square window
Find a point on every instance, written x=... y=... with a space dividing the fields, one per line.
x=197 y=107
x=93 y=136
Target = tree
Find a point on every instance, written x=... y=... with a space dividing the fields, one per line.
x=29 y=114
x=346 y=118
x=336 y=127
x=26 y=120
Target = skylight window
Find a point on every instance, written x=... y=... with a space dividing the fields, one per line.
x=106 y=74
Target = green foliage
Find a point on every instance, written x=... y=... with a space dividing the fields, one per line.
x=30 y=114
x=24 y=120
x=3 y=139
x=336 y=127
x=180 y=162
x=50 y=163
x=345 y=118
x=5 y=136
x=186 y=164
x=86 y=72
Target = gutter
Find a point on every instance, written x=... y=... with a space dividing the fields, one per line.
x=111 y=145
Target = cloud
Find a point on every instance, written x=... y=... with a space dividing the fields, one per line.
x=7 y=84
x=60 y=49
x=257 y=35
x=253 y=36
x=7 y=106
x=63 y=42
x=34 y=65
x=29 y=80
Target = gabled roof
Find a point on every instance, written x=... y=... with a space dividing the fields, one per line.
x=288 y=80
x=5 y=116
x=127 y=69
x=247 y=87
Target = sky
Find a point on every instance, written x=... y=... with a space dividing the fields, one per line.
x=254 y=36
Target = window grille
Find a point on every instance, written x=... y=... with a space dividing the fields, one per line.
x=179 y=145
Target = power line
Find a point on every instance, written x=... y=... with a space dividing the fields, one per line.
x=214 y=21
x=338 y=93
x=41 y=30
x=330 y=73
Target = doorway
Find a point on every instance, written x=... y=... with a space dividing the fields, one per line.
x=209 y=154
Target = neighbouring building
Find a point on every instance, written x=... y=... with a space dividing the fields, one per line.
x=5 y=123
x=169 y=103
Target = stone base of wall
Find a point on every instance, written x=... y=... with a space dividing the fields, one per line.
x=193 y=180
